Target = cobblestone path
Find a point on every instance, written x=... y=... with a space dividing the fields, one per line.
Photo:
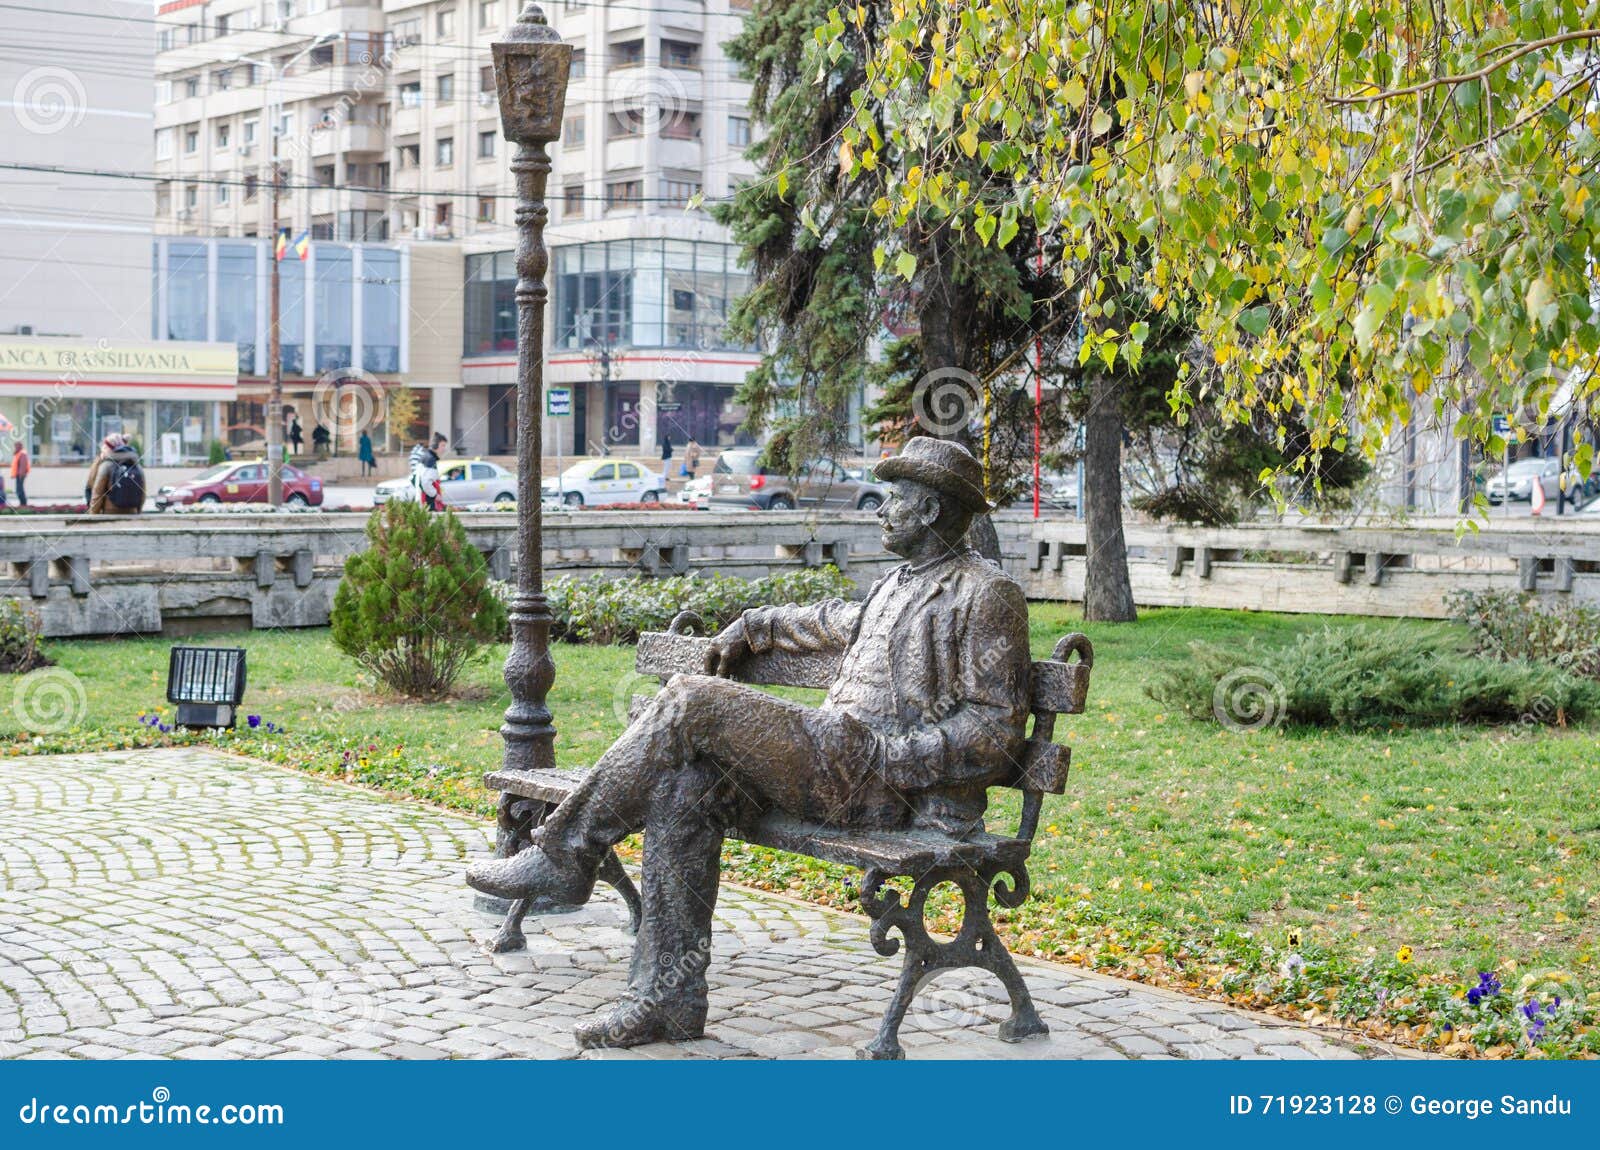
x=191 y=905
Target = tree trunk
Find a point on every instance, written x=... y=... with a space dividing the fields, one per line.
x=1107 y=592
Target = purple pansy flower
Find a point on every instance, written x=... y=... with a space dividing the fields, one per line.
x=253 y=720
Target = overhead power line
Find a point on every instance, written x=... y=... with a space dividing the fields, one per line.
x=265 y=186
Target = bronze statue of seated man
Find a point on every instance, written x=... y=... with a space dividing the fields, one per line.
x=929 y=708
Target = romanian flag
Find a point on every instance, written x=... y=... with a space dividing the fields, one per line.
x=302 y=246
x=282 y=244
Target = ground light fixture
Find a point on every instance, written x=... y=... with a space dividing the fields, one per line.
x=207 y=684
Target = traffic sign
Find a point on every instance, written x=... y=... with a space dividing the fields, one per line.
x=558 y=401
x=668 y=406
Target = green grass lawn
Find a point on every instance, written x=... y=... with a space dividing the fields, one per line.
x=1182 y=852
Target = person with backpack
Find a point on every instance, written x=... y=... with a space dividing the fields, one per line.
x=425 y=473
x=116 y=481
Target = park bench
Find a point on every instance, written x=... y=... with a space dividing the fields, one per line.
x=976 y=864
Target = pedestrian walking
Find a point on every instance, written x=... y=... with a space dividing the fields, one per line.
x=666 y=450
x=20 y=466
x=116 y=481
x=296 y=437
x=425 y=474
x=369 y=462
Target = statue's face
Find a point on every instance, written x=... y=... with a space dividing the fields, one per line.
x=908 y=516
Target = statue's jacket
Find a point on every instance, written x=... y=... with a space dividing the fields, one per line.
x=935 y=661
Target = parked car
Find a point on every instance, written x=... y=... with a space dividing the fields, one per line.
x=463 y=482
x=697 y=491
x=243 y=481
x=1517 y=481
x=600 y=481
x=739 y=480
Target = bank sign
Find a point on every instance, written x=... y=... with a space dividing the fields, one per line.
x=102 y=369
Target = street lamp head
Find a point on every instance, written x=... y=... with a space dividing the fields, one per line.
x=530 y=73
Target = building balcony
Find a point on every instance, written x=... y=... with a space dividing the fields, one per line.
x=625 y=153
x=348 y=137
x=677 y=153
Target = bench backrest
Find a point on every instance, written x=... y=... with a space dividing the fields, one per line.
x=1059 y=687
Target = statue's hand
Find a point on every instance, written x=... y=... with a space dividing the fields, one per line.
x=727 y=649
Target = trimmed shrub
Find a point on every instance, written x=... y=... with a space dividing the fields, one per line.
x=599 y=610
x=416 y=606
x=19 y=638
x=1514 y=625
x=1360 y=677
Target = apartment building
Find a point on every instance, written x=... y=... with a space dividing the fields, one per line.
x=388 y=133
x=77 y=356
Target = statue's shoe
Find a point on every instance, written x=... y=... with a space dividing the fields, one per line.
x=634 y=1021
x=532 y=875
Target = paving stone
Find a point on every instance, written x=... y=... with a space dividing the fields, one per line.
x=257 y=913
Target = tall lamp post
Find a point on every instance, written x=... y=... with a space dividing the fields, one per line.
x=530 y=70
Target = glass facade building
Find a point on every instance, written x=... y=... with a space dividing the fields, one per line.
x=340 y=308
x=643 y=293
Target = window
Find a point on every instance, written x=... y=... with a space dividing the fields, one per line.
x=323 y=175
x=738 y=131
x=191 y=195
x=681 y=126
x=285 y=125
x=447 y=88
x=680 y=54
x=627 y=471
x=166 y=39
x=624 y=194
x=191 y=86
x=441 y=215
x=222 y=193
x=163 y=91
x=444 y=152
x=163 y=143
x=682 y=300
x=572 y=200
x=256 y=73
x=678 y=193
x=411 y=94
x=572 y=131
x=222 y=24
x=407 y=32
x=249 y=129
x=410 y=155
x=605 y=473
x=488 y=14
x=321 y=56
x=223 y=136
x=486 y=209
x=191 y=141
x=326 y=118
x=222 y=81
x=576 y=70
x=627 y=123
x=252 y=185
x=445 y=24
x=486 y=78
x=628 y=54
x=486 y=145
x=481 y=471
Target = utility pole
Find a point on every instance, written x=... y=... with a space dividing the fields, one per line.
x=274 y=342
x=274 y=336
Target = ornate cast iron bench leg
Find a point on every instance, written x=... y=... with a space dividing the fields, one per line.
x=976 y=945
x=515 y=820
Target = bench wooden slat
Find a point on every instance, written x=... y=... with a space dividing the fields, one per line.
x=905 y=851
x=1058 y=687
x=663 y=654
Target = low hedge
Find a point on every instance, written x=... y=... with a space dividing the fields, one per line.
x=1356 y=677
x=600 y=610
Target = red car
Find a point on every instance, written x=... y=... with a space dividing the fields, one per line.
x=242 y=483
